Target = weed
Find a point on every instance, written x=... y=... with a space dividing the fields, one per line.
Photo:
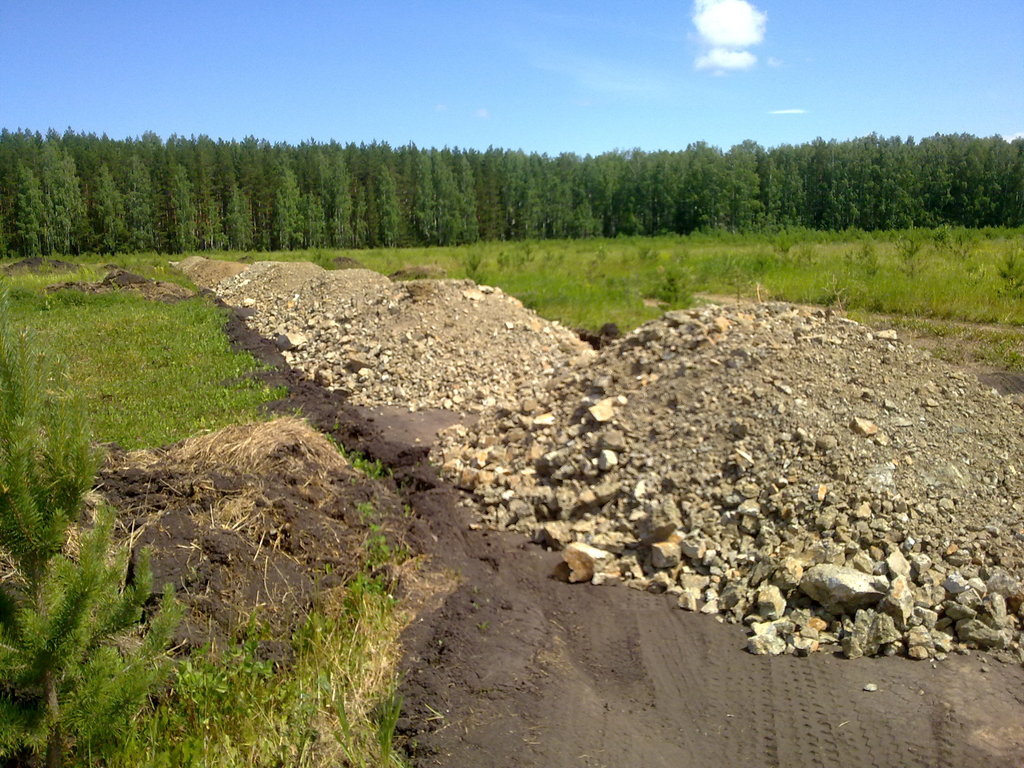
x=472 y=260
x=836 y=293
x=908 y=248
x=135 y=362
x=1011 y=271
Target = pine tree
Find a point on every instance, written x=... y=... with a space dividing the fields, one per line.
x=238 y=220
x=338 y=203
x=67 y=674
x=182 y=211
x=287 y=221
x=389 y=219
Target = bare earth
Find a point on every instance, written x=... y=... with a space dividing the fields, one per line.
x=521 y=669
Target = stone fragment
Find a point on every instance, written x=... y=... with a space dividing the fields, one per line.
x=842 y=590
x=766 y=645
x=693 y=550
x=919 y=643
x=899 y=602
x=1001 y=581
x=607 y=460
x=584 y=561
x=289 y=341
x=897 y=564
x=955 y=583
x=787 y=576
x=664 y=554
x=871 y=630
x=770 y=602
x=603 y=410
x=769 y=638
x=689 y=600
x=977 y=633
x=863 y=427
x=958 y=612
x=553 y=535
x=805 y=646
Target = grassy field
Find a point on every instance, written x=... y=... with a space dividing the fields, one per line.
x=155 y=373
x=972 y=275
x=941 y=275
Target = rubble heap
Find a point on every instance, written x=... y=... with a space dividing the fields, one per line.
x=819 y=481
x=423 y=344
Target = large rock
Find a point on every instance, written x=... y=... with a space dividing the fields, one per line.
x=871 y=630
x=1002 y=582
x=899 y=602
x=842 y=590
x=975 y=632
x=584 y=561
x=770 y=602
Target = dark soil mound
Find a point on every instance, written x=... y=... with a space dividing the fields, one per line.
x=250 y=521
x=118 y=279
x=604 y=336
x=1004 y=382
x=38 y=264
x=419 y=272
x=346 y=262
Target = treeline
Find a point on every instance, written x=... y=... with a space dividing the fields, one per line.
x=72 y=192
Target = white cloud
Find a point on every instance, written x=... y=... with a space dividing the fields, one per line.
x=788 y=112
x=727 y=28
x=440 y=107
x=483 y=113
x=1014 y=136
x=729 y=23
x=723 y=58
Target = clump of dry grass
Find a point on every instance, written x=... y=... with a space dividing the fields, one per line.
x=285 y=446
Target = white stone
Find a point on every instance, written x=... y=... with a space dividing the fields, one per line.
x=842 y=590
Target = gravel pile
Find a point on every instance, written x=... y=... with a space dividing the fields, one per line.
x=423 y=344
x=818 y=481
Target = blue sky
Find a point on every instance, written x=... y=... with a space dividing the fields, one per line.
x=582 y=76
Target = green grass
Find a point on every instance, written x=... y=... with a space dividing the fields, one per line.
x=956 y=274
x=151 y=373
x=335 y=705
x=155 y=373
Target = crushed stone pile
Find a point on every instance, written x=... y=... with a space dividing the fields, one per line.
x=426 y=344
x=818 y=481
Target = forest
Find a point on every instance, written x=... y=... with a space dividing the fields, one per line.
x=74 y=192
